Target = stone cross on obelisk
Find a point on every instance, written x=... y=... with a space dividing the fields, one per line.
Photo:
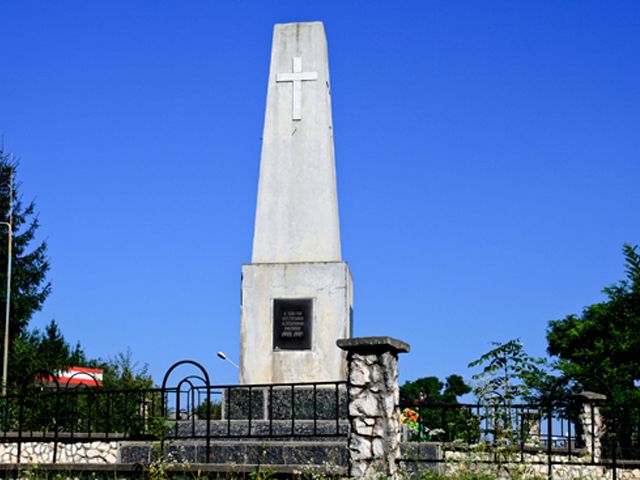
x=297 y=292
x=297 y=77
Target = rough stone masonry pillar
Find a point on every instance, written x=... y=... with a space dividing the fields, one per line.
x=592 y=424
x=374 y=412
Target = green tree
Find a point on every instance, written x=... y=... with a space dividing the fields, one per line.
x=431 y=389
x=600 y=350
x=48 y=350
x=602 y=344
x=122 y=372
x=29 y=285
x=508 y=377
x=424 y=395
x=131 y=406
x=508 y=374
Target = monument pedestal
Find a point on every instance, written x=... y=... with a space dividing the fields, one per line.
x=291 y=316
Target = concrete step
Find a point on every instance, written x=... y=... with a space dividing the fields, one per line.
x=245 y=453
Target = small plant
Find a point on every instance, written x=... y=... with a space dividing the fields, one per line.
x=419 y=431
x=164 y=465
x=262 y=474
x=507 y=376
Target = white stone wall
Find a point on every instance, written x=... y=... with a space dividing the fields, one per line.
x=537 y=471
x=533 y=466
x=42 y=452
x=527 y=470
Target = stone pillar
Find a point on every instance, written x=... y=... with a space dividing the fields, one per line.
x=592 y=425
x=374 y=412
x=531 y=427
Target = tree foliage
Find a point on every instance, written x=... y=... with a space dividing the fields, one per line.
x=431 y=389
x=37 y=351
x=600 y=348
x=122 y=372
x=449 y=423
x=29 y=285
x=508 y=374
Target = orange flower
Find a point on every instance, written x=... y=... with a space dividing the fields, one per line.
x=409 y=415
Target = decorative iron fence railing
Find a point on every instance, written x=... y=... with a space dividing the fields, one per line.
x=192 y=409
x=584 y=430
x=261 y=411
x=81 y=413
x=588 y=429
x=516 y=425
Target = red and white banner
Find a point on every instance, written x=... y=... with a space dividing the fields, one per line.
x=90 y=377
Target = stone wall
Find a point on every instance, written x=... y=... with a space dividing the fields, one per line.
x=42 y=452
x=374 y=412
x=526 y=470
x=416 y=458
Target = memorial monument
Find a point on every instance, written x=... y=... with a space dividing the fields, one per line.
x=297 y=292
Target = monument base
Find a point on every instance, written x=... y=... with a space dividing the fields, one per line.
x=291 y=316
x=324 y=402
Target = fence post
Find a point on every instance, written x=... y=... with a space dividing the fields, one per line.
x=592 y=425
x=373 y=408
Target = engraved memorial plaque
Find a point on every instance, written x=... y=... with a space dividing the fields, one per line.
x=292 y=324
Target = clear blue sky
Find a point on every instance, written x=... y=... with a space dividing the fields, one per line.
x=488 y=158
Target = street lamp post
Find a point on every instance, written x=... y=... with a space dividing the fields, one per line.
x=224 y=357
x=5 y=356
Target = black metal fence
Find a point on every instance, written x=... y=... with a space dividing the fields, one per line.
x=581 y=430
x=191 y=408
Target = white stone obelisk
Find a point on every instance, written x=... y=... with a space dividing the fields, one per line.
x=297 y=292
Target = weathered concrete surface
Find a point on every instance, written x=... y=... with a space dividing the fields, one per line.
x=296 y=243
x=297 y=212
x=329 y=286
x=373 y=344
